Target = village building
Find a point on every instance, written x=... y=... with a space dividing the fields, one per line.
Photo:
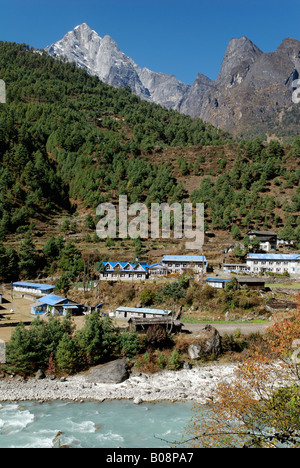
x=159 y=269
x=242 y=283
x=124 y=271
x=141 y=325
x=141 y=312
x=274 y=263
x=180 y=263
x=38 y=289
x=251 y=283
x=284 y=243
x=267 y=239
x=236 y=268
x=139 y=271
x=89 y=309
x=54 y=305
x=218 y=283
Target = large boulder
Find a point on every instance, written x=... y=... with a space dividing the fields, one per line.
x=207 y=342
x=113 y=372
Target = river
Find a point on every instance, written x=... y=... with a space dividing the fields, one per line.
x=110 y=424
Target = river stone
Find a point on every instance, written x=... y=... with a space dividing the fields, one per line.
x=206 y=343
x=138 y=401
x=40 y=375
x=113 y=372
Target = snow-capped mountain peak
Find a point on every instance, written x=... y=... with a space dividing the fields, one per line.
x=103 y=57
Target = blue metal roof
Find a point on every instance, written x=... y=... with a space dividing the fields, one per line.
x=273 y=256
x=160 y=265
x=185 y=258
x=143 y=265
x=51 y=299
x=220 y=280
x=41 y=287
x=143 y=310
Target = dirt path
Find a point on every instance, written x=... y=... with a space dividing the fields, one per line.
x=228 y=328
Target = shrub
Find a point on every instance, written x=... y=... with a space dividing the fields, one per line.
x=208 y=292
x=161 y=359
x=147 y=362
x=130 y=344
x=66 y=355
x=236 y=342
x=30 y=349
x=147 y=297
x=63 y=284
x=174 y=361
x=156 y=336
x=232 y=285
x=98 y=340
x=176 y=290
x=19 y=352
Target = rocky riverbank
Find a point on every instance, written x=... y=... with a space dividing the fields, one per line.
x=197 y=384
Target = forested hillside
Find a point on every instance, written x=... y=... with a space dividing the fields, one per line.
x=69 y=142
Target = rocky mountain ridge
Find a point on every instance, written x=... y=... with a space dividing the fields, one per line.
x=103 y=57
x=252 y=93
x=254 y=89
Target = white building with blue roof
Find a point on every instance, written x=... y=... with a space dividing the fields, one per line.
x=274 y=263
x=141 y=312
x=55 y=305
x=180 y=263
x=122 y=271
x=38 y=289
x=218 y=283
x=159 y=269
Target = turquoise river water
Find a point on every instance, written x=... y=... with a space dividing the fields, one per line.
x=110 y=424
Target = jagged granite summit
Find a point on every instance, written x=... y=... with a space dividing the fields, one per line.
x=252 y=93
x=253 y=89
x=102 y=57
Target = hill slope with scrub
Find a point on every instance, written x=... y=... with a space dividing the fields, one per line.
x=69 y=142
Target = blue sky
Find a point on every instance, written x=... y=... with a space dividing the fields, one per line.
x=170 y=36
